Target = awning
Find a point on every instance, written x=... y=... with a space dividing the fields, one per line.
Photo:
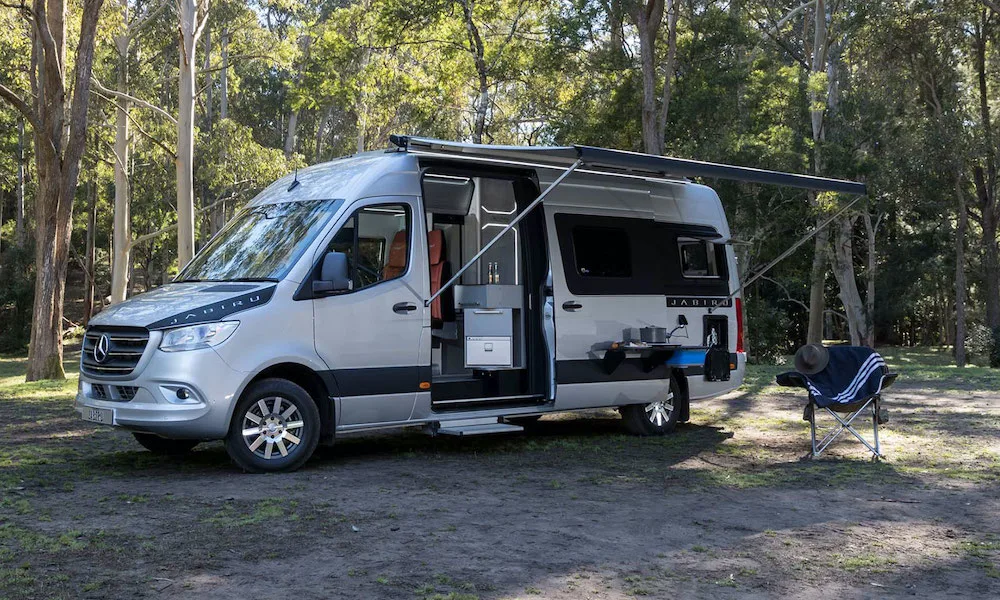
x=622 y=162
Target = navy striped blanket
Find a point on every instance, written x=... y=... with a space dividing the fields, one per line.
x=854 y=374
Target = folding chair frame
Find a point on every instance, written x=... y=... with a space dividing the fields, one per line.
x=845 y=424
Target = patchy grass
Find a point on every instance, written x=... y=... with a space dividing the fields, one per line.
x=273 y=510
x=868 y=562
x=938 y=439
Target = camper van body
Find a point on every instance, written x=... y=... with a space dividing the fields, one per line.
x=551 y=318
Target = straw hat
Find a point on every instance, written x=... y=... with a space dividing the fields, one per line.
x=811 y=359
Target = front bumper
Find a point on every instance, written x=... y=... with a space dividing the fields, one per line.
x=147 y=400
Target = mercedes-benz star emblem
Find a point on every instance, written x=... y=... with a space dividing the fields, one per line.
x=101 y=349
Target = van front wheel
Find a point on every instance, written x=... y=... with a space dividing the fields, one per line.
x=275 y=427
x=659 y=417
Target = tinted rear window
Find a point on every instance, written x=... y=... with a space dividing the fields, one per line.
x=602 y=252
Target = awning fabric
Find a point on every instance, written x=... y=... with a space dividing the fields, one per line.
x=622 y=162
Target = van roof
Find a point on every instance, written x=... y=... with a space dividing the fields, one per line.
x=620 y=162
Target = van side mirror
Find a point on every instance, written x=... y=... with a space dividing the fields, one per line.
x=682 y=320
x=333 y=274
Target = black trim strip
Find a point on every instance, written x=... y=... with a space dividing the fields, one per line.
x=216 y=311
x=376 y=380
x=594 y=371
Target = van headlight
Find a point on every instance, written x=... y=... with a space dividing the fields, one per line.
x=197 y=336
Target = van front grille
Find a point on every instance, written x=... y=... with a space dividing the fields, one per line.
x=123 y=350
x=126 y=392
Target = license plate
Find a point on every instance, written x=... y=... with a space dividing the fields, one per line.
x=104 y=416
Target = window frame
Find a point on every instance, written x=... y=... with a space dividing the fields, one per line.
x=711 y=256
x=356 y=244
x=304 y=291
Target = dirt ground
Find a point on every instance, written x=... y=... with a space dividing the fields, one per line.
x=573 y=508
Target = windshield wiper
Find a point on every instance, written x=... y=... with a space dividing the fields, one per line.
x=192 y=280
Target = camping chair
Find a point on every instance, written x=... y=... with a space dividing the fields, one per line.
x=849 y=385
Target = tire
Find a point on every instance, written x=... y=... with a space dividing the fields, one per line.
x=283 y=439
x=656 y=418
x=164 y=446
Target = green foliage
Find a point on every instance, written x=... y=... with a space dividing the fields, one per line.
x=17 y=272
x=899 y=102
x=768 y=330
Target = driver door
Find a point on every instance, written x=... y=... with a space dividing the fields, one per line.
x=369 y=336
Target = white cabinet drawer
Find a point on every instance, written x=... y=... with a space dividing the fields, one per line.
x=488 y=352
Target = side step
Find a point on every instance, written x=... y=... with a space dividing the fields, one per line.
x=483 y=426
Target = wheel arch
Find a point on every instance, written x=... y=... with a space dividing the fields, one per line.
x=685 y=408
x=318 y=387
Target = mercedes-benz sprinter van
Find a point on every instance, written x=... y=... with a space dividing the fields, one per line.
x=454 y=287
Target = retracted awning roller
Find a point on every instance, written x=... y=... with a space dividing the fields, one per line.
x=622 y=162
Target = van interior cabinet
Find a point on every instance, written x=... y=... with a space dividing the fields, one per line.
x=493 y=325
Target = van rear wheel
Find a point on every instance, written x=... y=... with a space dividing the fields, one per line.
x=164 y=446
x=656 y=418
x=275 y=427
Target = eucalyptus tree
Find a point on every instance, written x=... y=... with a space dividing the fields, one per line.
x=56 y=108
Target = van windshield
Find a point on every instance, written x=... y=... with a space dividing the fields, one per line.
x=261 y=243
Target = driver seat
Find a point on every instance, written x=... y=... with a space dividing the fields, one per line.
x=397 y=257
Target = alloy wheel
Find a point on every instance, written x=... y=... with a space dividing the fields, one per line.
x=658 y=412
x=272 y=424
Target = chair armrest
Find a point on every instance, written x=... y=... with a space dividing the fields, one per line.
x=889 y=379
x=790 y=379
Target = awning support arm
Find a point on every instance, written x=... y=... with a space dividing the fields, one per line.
x=787 y=252
x=515 y=221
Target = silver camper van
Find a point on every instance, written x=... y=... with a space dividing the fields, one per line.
x=460 y=288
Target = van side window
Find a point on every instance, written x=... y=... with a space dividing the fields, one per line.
x=608 y=256
x=698 y=258
x=602 y=252
x=376 y=240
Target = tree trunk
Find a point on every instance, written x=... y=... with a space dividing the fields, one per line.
x=478 y=52
x=648 y=16
x=188 y=26
x=224 y=76
x=290 y=135
x=122 y=234
x=817 y=288
x=19 y=229
x=870 y=231
x=960 y=285
x=669 y=70
x=321 y=133
x=88 y=267
x=209 y=80
x=843 y=270
x=991 y=268
x=60 y=136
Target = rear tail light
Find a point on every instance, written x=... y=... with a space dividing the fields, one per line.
x=739 y=325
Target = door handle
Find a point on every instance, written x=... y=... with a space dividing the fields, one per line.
x=403 y=307
x=572 y=305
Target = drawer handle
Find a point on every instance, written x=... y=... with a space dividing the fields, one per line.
x=487 y=312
